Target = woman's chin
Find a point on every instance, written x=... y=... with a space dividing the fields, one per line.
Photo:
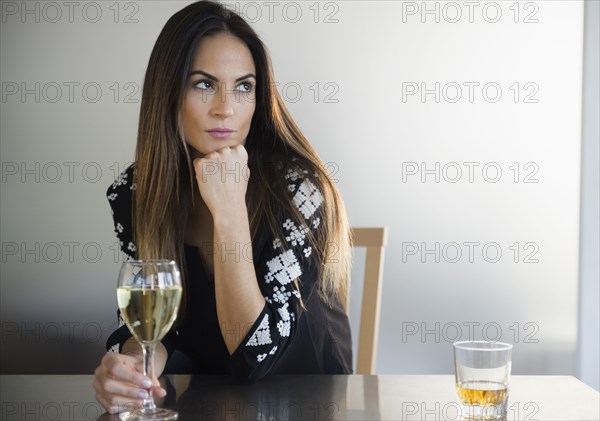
x=200 y=153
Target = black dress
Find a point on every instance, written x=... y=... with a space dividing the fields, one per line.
x=285 y=338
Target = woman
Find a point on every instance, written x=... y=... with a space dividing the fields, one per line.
x=225 y=184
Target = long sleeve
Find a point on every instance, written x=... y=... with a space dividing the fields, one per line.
x=119 y=197
x=276 y=327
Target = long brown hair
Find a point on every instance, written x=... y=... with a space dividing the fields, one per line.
x=164 y=174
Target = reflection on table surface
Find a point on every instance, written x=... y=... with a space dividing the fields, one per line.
x=274 y=398
x=301 y=397
x=277 y=398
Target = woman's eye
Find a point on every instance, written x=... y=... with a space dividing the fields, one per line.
x=246 y=87
x=203 y=84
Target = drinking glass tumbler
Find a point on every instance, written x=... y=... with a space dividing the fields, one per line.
x=482 y=371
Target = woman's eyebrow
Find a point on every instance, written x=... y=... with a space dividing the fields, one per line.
x=208 y=75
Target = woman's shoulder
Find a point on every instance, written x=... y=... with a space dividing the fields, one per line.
x=123 y=182
x=120 y=198
x=120 y=192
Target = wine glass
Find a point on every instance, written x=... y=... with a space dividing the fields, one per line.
x=149 y=293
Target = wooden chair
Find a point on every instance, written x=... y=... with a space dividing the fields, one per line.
x=375 y=240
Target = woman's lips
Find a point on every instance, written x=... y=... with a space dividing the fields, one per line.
x=219 y=133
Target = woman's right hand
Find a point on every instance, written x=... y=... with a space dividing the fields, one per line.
x=120 y=383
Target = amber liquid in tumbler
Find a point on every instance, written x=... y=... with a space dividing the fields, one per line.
x=482 y=400
x=482 y=393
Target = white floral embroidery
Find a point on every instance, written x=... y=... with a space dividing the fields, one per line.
x=131 y=246
x=292 y=175
x=307 y=251
x=284 y=328
x=308 y=198
x=276 y=243
x=284 y=313
x=280 y=295
x=289 y=225
x=112 y=196
x=119 y=227
x=121 y=180
x=262 y=335
x=269 y=278
x=297 y=235
x=285 y=267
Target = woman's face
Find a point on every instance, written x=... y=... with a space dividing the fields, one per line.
x=219 y=94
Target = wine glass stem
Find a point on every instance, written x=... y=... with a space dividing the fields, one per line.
x=148 y=357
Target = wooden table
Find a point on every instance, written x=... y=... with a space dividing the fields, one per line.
x=387 y=397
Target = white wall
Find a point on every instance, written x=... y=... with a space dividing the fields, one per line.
x=589 y=271
x=360 y=63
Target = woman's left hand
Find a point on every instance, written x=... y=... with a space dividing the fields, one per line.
x=223 y=179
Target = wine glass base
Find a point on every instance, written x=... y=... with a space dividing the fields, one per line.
x=155 y=415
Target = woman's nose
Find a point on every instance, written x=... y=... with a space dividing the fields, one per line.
x=223 y=102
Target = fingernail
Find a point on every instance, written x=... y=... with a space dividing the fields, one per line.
x=142 y=394
x=146 y=383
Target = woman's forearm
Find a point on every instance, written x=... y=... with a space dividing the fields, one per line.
x=239 y=299
x=160 y=354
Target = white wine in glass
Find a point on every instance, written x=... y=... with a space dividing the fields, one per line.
x=149 y=293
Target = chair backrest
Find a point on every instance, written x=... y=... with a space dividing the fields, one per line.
x=375 y=240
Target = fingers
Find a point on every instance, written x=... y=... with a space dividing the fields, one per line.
x=116 y=404
x=158 y=391
x=116 y=387
x=237 y=151
x=240 y=149
x=119 y=385
x=117 y=397
x=224 y=159
x=123 y=368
